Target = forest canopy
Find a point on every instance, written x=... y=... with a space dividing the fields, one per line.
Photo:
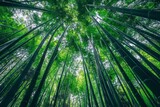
x=79 y=53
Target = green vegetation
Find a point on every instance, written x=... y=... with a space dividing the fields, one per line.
x=79 y=53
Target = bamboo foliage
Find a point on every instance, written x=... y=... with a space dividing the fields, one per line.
x=79 y=53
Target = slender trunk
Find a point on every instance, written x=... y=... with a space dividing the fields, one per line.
x=140 y=100
x=14 y=4
x=149 y=29
x=146 y=76
x=9 y=96
x=104 y=85
x=38 y=69
x=15 y=48
x=11 y=69
x=139 y=44
x=140 y=31
x=86 y=72
x=54 y=55
x=150 y=14
x=153 y=67
x=58 y=87
x=15 y=41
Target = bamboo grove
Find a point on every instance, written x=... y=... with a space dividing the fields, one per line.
x=79 y=53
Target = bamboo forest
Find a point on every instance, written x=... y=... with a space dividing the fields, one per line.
x=79 y=53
